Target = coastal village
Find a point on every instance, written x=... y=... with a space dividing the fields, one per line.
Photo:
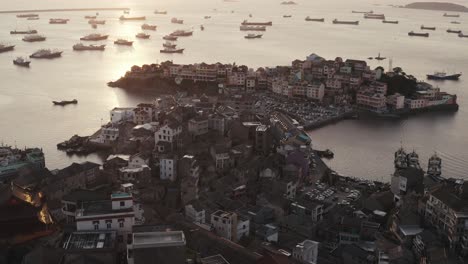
x=221 y=170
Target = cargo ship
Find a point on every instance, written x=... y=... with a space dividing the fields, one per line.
x=58 y=21
x=336 y=21
x=416 y=34
x=34 y=38
x=252 y=28
x=124 y=18
x=443 y=76
x=374 y=16
x=46 y=54
x=94 y=37
x=390 y=21
x=5 y=48
x=169 y=50
x=247 y=23
x=123 y=42
x=143 y=35
x=315 y=19
x=81 y=47
x=454 y=31
x=15 y=32
x=427 y=28
x=182 y=33
x=22 y=62
x=148 y=27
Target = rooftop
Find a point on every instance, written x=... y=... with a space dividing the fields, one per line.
x=216 y=259
x=158 y=239
x=90 y=240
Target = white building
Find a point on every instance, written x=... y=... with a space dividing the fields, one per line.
x=229 y=225
x=195 y=214
x=109 y=134
x=397 y=101
x=115 y=214
x=137 y=161
x=168 y=168
x=120 y=114
x=198 y=126
x=168 y=132
x=306 y=252
x=316 y=91
x=415 y=103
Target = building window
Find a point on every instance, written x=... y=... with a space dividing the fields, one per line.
x=109 y=224
x=96 y=225
x=122 y=203
x=121 y=223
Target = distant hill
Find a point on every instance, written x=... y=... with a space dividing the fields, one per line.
x=449 y=7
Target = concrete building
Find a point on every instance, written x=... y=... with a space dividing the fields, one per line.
x=195 y=213
x=121 y=114
x=198 y=126
x=415 y=103
x=371 y=100
x=165 y=247
x=168 y=168
x=168 y=132
x=316 y=91
x=89 y=247
x=306 y=252
x=76 y=199
x=396 y=101
x=230 y=225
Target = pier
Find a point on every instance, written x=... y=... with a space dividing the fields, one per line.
x=64 y=10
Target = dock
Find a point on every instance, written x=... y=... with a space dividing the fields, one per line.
x=65 y=10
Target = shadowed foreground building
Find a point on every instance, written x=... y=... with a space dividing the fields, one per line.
x=166 y=247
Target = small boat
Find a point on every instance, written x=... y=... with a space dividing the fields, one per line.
x=170 y=38
x=34 y=38
x=247 y=23
x=207 y=17
x=169 y=45
x=315 y=19
x=362 y=12
x=169 y=50
x=5 y=48
x=374 y=16
x=443 y=76
x=253 y=36
x=58 y=21
x=454 y=31
x=123 y=42
x=94 y=26
x=202 y=27
x=80 y=47
x=96 y=22
x=252 y=28
x=143 y=35
x=370 y=58
x=455 y=22
x=390 y=21
x=451 y=15
x=148 y=27
x=380 y=58
x=336 y=21
x=27 y=15
x=427 y=28
x=174 y=20
x=126 y=12
x=22 y=62
x=461 y=35
x=287 y=16
x=250 y=15
x=182 y=33
x=15 y=32
x=124 y=18
x=160 y=12
x=288 y=3
x=46 y=54
x=328 y=154
x=94 y=37
x=62 y=103
x=90 y=17
x=416 y=34
x=32 y=18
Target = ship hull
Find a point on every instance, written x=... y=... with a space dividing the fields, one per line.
x=34 y=40
x=172 y=51
x=22 y=64
x=447 y=77
x=94 y=39
x=5 y=49
x=50 y=56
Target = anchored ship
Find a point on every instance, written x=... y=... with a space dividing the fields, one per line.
x=148 y=27
x=124 y=18
x=174 y=20
x=123 y=42
x=416 y=34
x=390 y=21
x=443 y=76
x=315 y=19
x=336 y=21
x=247 y=23
x=96 y=22
x=94 y=37
x=252 y=28
x=14 y=32
x=62 y=103
x=427 y=28
x=169 y=50
x=34 y=38
x=80 y=47
x=22 y=62
x=182 y=33
x=58 y=21
x=142 y=35
x=253 y=36
x=5 y=48
x=46 y=54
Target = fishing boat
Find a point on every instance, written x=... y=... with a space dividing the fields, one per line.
x=27 y=15
x=34 y=38
x=443 y=76
x=207 y=17
x=148 y=27
x=247 y=23
x=315 y=19
x=454 y=31
x=123 y=42
x=253 y=36
x=174 y=20
x=170 y=38
x=182 y=33
x=169 y=50
x=362 y=12
x=455 y=22
x=124 y=18
x=374 y=16
x=287 y=16
x=62 y=103
x=252 y=28
x=15 y=32
x=202 y=27
x=416 y=34
x=22 y=62
x=96 y=22
x=94 y=37
x=90 y=17
x=169 y=45
x=58 y=21
x=160 y=12
x=81 y=47
x=336 y=21
x=143 y=35
x=390 y=21
x=32 y=18
x=46 y=54
x=427 y=28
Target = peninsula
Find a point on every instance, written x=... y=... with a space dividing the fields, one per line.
x=438 y=6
